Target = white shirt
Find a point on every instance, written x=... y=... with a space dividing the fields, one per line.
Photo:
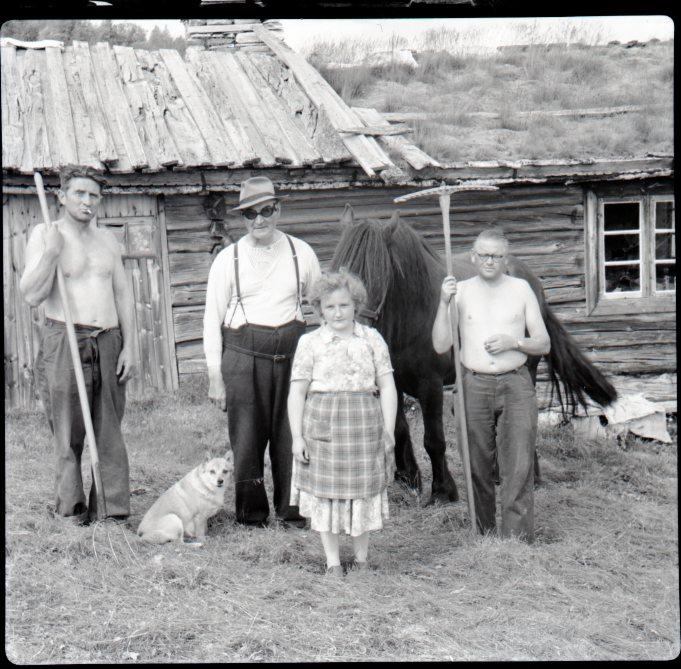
x=269 y=295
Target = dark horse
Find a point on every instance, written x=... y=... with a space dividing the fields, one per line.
x=403 y=274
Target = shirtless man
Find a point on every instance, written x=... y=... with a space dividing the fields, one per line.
x=101 y=308
x=495 y=311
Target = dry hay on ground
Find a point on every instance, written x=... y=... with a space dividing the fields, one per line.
x=601 y=581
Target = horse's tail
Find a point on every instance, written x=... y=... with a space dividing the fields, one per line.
x=573 y=376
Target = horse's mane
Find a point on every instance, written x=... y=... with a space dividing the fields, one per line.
x=400 y=271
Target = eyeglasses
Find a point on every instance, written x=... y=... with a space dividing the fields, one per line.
x=265 y=212
x=484 y=257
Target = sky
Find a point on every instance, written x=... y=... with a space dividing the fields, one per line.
x=300 y=34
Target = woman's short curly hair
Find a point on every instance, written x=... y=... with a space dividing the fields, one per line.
x=328 y=282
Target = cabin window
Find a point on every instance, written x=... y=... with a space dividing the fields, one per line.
x=664 y=255
x=632 y=252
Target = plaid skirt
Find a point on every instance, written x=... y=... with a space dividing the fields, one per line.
x=346 y=446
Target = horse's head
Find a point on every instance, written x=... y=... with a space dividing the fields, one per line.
x=397 y=268
x=364 y=249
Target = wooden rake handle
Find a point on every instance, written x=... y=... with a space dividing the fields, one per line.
x=75 y=358
x=460 y=412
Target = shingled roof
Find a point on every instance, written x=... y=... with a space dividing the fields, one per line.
x=122 y=110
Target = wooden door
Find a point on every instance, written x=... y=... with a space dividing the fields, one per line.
x=137 y=222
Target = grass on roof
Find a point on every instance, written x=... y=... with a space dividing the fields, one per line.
x=450 y=87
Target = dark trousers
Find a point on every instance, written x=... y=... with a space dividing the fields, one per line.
x=501 y=417
x=257 y=391
x=56 y=383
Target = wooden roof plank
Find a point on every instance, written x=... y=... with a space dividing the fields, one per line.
x=86 y=142
x=12 y=124
x=246 y=99
x=313 y=120
x=38 y=156
x=116 y=105
x=59 y=111
x=417 y=158
x=186 y=135
x=83 y=73
x=264 y=112
x=146 y=112
x=301 y=143
x=200 y=107
x=364 y=149
x=210 y=76
x=226 y=85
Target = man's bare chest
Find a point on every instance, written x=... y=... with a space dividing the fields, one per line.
x=83 y=260
x=484 y=309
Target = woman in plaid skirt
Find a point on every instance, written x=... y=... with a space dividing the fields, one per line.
x=342 y=405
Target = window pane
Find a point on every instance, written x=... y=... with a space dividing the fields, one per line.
x=621 y=247
x=664 y=246
x=664 y=215
x=665 y=277
x=622 y=279
x=621 y=216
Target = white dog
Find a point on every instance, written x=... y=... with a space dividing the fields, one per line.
x=182 y=511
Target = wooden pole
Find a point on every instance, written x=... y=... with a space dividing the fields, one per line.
x=77 y=367
x=460 y=407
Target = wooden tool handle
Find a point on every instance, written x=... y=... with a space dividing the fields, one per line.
x=460 y=408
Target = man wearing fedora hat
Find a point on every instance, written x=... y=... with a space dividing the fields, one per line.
x=251 y=326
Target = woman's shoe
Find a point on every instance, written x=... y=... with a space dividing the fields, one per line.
x=360 y=566
x=335 y=571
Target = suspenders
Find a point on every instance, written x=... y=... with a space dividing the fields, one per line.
x=239 y=302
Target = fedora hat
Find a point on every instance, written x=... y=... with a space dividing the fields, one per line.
x=254 y=191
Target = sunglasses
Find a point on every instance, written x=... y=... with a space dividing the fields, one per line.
x=484 y=257
x=265 y=212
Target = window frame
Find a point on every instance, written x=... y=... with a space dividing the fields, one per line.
x=602 y=262
x=654 y=199
x=646 y=300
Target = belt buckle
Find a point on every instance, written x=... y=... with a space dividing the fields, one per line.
x=278 y=357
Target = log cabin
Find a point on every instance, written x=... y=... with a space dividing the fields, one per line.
x=175 y=136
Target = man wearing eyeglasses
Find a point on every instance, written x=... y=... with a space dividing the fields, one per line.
x=252 y=322
x=496 y=312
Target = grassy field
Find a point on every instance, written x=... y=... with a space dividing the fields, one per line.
x=452 y=86
x=600 y=583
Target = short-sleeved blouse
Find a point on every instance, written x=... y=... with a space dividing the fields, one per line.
x=332 y=363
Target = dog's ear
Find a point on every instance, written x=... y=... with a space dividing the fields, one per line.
x=207 y=455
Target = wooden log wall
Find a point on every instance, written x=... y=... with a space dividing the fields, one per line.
x=545 y=224
x=20 y=214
